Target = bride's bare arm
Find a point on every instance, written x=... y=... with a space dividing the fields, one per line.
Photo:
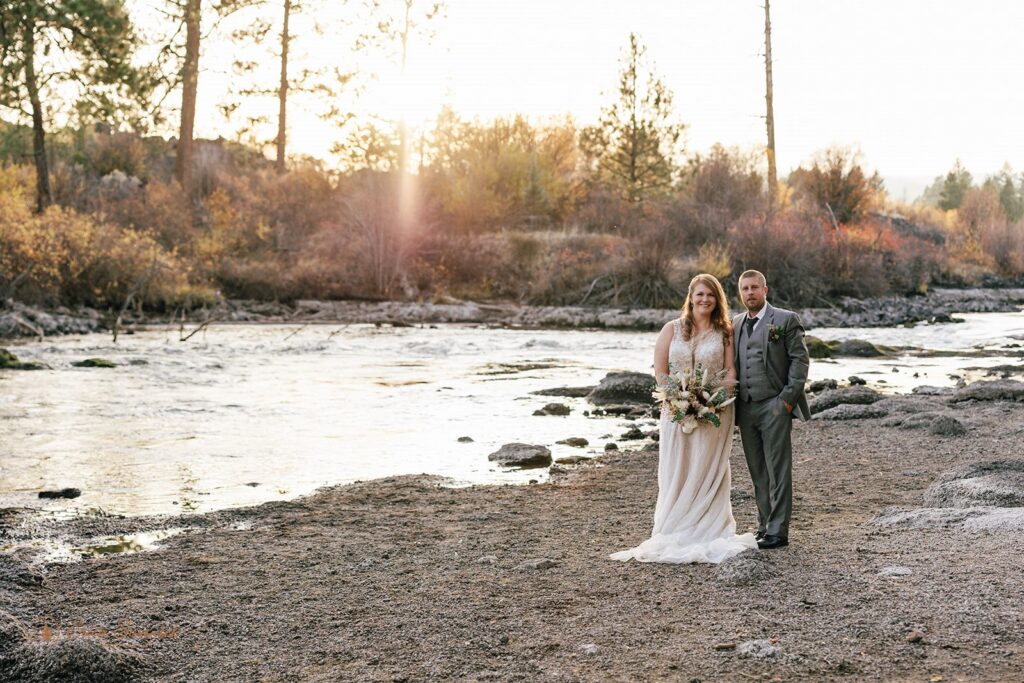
x=661 y=354
x=730 y=362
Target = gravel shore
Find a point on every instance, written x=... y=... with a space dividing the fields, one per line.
x=405 y=579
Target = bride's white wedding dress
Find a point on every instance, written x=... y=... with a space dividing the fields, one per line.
x=693 y=519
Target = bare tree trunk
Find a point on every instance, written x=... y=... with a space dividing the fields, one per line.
x=770 y=114
x=403 y=127
x=282 y=93
x=44 y=195
x=189 y=85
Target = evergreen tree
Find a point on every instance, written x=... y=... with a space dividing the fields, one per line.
x=954 y=187
x=636 y=142
x=38 y=40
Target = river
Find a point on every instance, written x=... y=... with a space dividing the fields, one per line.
x=241 y=414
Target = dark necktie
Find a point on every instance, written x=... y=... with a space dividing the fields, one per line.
x=750 y=326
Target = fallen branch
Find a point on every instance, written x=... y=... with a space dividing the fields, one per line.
x=202 y=326
x=37 y=331
x=300 y=329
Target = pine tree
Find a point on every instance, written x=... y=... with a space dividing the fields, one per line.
x=636 y=142
x=95 y=36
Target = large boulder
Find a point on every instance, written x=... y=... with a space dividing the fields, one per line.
x=981 y=518
x=623 y=387
x=830 y=399
x=858 y=348
x=818 y=348
x=521 y=455
x=997 y=483
x=999 y=390
x=939 y=424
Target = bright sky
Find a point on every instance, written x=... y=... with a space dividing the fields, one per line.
x=914 y=84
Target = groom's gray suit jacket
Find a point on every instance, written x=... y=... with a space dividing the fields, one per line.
x=786 y=360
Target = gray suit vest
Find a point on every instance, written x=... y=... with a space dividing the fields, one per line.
x=754 y=384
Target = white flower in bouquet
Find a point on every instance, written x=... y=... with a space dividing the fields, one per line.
x=688 y=423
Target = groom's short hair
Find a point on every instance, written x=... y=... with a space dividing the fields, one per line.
x=754 y=273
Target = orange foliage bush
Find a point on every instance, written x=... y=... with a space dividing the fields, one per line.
x=63 y=257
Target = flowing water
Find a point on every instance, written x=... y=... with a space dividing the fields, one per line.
x=241 y=414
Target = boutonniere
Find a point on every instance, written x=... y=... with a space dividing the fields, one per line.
x=774 y=333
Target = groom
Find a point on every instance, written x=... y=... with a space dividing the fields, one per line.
x=771 y=366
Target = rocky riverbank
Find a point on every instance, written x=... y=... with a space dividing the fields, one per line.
x=18 y=320
x=904 y=565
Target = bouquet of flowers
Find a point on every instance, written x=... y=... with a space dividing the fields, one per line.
x=694 y=397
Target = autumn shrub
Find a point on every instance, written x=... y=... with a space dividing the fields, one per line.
x=837 y=183
x=573 y=265
x=63 y=257
x=467 y=266
x=1004 y=244
x=791 y=248
x=104 y=153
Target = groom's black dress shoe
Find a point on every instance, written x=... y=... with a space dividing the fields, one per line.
x=768 y=542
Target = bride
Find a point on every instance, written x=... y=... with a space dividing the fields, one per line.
x=693 y=519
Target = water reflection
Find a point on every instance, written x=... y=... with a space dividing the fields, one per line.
x=51 y=550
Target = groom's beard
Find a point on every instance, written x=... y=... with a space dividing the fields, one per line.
x=752 y=312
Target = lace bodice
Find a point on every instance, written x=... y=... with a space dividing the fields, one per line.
x=705 y=348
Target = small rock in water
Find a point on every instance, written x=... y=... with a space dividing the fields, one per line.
x=8 y=361
x=553 y=409
x=95 y=363
x=632 y=433
x=757 y=649
x=822 y=385
x=568 y=392
x=589 y=649
x=856 y=381
x=611 y=447
x=575 y=441
x=253 y=484
x=572 y=459
x=539 y=563
x=465 y=439
x=62 y=493
x=895 y=571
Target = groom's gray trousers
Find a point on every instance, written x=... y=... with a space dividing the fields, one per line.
x=766 y=427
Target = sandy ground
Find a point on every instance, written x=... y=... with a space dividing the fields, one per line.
x=383 y=581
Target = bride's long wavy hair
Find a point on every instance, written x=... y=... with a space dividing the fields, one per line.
x=719 y=316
